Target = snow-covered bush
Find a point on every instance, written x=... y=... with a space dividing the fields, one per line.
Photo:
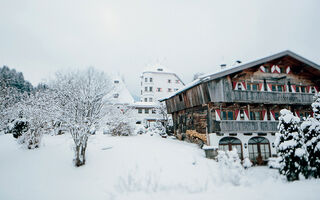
x=311 y=130
x=81 y=100
x=119 y=122
x=246 y=163
x=274 y=162
x=230 y=166
x=290 y=147
x=18 y=127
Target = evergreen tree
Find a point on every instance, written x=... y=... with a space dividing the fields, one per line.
x=290 y=147
x=311 y=131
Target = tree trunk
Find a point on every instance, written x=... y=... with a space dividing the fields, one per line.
x=80 y=158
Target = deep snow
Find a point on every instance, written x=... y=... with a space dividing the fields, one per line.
x=137 y=167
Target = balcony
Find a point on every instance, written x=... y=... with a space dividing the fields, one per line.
x=270 y=97
x=252 y=126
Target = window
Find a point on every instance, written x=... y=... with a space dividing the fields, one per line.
x=160 y=69
x=169 y=81
x=176 y=89
x=145 y=99
x=313 y=90
x=150 y=89
x=146 y=110
x=145 y=79
x=282 y=70
x=227 y=115
x=150 y=80
x=276 y=115
x=154 y=111
x=139 y=110
x=158 y=89
x=239 y=86
x=267 y=69
x=255 y=115
x=177 y=81
x=116 y=95
x=277 y=88
x=116 y=81
x=303 y=89
x=241 y=115
x=146 y=89
x=180 y=97
x=169 y=89
x=141 y=92
x=252 y=86
x=150 y=99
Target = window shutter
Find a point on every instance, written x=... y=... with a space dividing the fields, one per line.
x=237 y=114
x=218 y=114
x=264 y=115
x=288 y=70
x=262 y=68
x=293 y=88
x=246 y=115
x=244 y=86
x=261 y=87
x=272 y=115
x=234 y=85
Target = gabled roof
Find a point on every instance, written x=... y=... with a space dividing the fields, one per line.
x=243 y=66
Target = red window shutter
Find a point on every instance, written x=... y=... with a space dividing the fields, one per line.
x=294 y=88
x=260 y=86
x=236 y=114
x=244 y=85
x=247 y=114
x=234 y=84
x=308 y=89
x=219 y=114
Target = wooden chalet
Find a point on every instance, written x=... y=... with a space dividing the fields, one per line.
x=239 y=106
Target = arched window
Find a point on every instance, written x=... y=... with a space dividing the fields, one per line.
x=229 y=143
x=259 y=150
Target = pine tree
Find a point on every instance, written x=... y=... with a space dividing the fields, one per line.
x=311 y=131
x=290 y=147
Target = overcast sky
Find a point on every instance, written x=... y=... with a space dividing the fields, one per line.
x=39 y=37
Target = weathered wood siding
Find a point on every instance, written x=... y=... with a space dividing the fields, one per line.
x=193 y=97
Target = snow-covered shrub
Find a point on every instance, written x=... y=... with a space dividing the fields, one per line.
x=230 y=166
x=290 y=147
x=274 y=162
x=246 y=163
x=119 y=122
x=18 y=127
x=311 y=130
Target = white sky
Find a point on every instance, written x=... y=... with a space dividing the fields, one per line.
x=39 y=37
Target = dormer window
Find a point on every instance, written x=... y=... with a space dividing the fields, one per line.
x=160 y=69
x=169 y=80
x=116 y=95
x=116 y=81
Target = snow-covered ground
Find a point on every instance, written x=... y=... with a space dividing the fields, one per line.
x=139 y=167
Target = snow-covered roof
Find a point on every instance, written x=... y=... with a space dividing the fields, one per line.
x=242 y=66
x=158 y=68
x=145 y=104
x=120 y=93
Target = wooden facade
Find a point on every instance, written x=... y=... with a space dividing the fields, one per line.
x=246 y=98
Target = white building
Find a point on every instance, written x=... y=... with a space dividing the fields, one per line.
x=120 y=95
x=156 y=83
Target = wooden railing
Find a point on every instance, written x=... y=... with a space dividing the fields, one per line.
x=270 y=97
x=251 y=126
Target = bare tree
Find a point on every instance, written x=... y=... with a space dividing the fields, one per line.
x=81 y=97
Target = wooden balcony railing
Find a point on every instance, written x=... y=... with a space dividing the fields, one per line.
x=270 y=97
x=251 y=126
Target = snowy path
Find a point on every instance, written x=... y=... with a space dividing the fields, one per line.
x=138 y=167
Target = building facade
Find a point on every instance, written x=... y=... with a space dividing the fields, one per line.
x=238 y=108
x=156 y=83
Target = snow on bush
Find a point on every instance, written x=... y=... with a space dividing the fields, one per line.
x=230 y=166
x=311 y=130
x=119 y=122
x=246 y=163
x=290 y=147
